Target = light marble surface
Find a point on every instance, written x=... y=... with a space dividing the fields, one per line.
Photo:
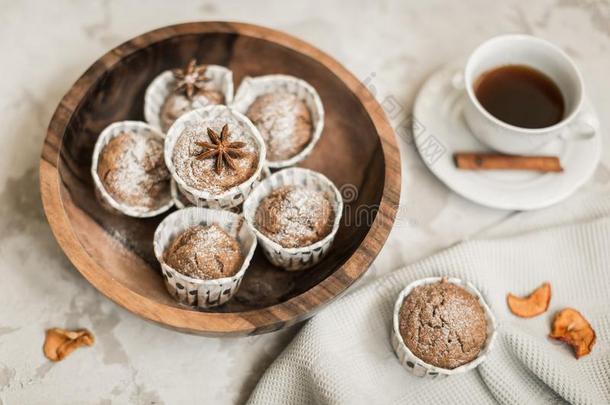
x=392 y=45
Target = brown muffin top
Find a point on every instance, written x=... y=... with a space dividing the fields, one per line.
x=133 y=172
x=443 y=324
x=204 y=252
x=177 y=104
x=284 y=122
x=201 y=174
x=295 y=216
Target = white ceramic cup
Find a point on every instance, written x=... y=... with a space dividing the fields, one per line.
x=544 y=57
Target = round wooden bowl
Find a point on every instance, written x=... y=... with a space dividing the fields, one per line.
x=357 y=151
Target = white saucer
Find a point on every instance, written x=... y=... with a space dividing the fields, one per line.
x=439 y=131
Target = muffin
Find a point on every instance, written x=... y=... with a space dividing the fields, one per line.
x=295 y=216
x=287 y=112
x=215 y=156
x=177 y=104
x=176 y=92
x=443 y=324
x=129 y=169
x=204 y=252
x=190 y=90
x=284 y=122
x=204 y=255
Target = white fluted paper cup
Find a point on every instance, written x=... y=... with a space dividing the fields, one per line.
x=253 y=87
x=201 y=198
x=182 y=201
x=301 y=258
x=192 y=291
x=103 y=196
x=221 y=80
x=419 y=367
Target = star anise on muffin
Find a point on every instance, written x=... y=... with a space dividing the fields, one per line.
x=190 y=78
x=224 y=151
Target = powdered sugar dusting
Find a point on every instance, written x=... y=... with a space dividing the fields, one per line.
x=200 y=174
x=284 y=122
x=177 y=104
x=204 y=252
x=443 y=324
x=295 y=216
x=133 y=172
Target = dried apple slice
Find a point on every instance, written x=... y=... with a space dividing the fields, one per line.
x=571 y=327
x=534 y=304
x=59 y=343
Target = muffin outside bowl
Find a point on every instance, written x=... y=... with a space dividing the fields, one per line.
x=202 y=293
x=294 y=258
x=418 y=366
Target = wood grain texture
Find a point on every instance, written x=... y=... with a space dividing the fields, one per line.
x=115 y=252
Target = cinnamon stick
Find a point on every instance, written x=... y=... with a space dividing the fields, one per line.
x=495 y=161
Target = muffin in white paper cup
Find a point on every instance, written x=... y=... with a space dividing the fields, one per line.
x=253 y=87
x=419 y=367
x=198 y=121
x=181 y=201
x=220 y=79
x=198 y=292
x=141 y=130
x=298 y=258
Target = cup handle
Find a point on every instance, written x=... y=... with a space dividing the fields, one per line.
x=584 y=127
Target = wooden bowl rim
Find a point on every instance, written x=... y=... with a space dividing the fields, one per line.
x=262 y=320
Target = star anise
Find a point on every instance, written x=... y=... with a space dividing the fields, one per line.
x=190 y=78
x=220 y=148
